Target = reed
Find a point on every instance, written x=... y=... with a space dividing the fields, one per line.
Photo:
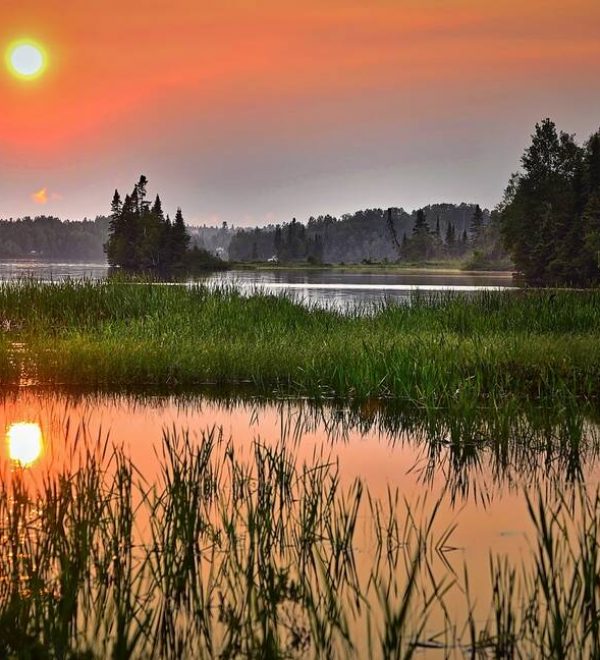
x=224 y=555
x=440 y=350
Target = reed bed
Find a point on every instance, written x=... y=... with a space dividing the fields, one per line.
x=229 y=555
x=437 y=351
x=221 y=556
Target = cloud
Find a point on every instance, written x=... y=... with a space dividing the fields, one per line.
x=43 y=196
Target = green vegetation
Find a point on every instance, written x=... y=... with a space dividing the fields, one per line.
x=551 y=211
x=142 y=240
x=224 y=556
x=440 y=350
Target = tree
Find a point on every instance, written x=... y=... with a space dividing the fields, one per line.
x=422 y=242
x=476 y=226
x=541 y=224
x=180 y=239
x=141 y=238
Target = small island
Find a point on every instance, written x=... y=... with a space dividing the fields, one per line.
x=143 y=240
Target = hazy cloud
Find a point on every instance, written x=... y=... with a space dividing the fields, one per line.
x=43 y=196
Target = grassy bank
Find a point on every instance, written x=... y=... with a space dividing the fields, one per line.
x=440 y=350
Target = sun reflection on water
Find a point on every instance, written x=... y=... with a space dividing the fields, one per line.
x=25 y=443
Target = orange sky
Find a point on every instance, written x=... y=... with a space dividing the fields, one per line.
x=248 y=114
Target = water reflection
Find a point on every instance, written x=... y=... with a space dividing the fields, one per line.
x=473 y=457
x=25 y=443
x=271 y=496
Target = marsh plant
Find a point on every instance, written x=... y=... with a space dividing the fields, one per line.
x=439 y=350
x=219 y=555
x=231 y=553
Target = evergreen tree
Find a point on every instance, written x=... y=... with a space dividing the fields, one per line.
x=540 y=220
x=450 y=237
x=476 y=225
x=141 y=238
x=180 y=240
x=116 y=246
x=421 y=228
x=422 y=242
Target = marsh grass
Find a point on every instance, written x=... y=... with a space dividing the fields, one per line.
x=221 y=556
x=226 y=554
x=438 y=350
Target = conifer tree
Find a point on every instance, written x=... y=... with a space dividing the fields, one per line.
x=476 y=225
x=180 y=240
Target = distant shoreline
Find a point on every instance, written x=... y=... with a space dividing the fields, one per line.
x=442 y=269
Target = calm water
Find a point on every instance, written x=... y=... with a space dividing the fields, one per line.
x=479 y=481
x=479 y=470
x=339 y=289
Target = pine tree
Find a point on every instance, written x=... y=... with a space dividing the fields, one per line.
x=542 y=208
x=476 y=226
x=180 y=240
x=141 y=238
x=422 y=242
x=421 y=228
x=115 y=246
x=450 y=237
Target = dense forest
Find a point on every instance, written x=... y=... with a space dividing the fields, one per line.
x=437 y=232
x=449 y=231
x=47 y=237
x=550 y=215
x=547 y=226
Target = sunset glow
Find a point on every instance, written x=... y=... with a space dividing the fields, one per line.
x=259 y=112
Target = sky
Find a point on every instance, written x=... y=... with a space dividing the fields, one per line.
x=256 y=112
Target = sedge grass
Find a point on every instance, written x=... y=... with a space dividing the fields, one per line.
x=437 y=351
x=258 y=556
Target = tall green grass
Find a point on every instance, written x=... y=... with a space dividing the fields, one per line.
x=437 y=351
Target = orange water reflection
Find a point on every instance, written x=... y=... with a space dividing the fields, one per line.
x=478 y=491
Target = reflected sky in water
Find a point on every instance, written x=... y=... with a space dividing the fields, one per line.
x=324 y=288
x=477 y=467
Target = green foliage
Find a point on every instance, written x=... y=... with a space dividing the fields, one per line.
x=549 y=213
x=370 y=235
x=47 y=237
x=436 y=350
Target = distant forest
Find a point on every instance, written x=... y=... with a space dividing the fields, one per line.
x=438 y=232
x=47 y=237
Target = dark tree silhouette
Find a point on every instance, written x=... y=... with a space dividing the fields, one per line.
x=142 y=239
x=549 y=210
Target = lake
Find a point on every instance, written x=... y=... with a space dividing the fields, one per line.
x=326 y=288
x=197 y=523
x=474 y=473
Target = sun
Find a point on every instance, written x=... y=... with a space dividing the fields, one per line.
x=26 y=59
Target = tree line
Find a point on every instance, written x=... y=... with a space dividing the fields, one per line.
x=48 y=237
x=436 y=232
